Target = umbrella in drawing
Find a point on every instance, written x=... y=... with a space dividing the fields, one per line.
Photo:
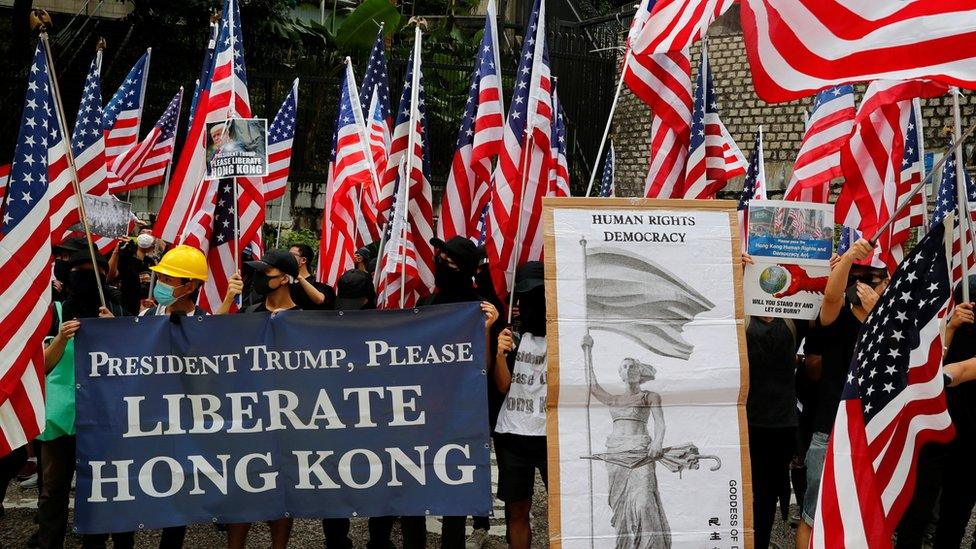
x=640 y=300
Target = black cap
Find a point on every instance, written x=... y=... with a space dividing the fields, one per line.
x=354 y=289
x=957 y=293
x=464 y=252
x=70 y=245
x=278 y=259
x=364 y=253
x=81 y=257
x=529 y=277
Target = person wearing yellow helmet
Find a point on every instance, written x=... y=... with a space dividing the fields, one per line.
x=179 y=275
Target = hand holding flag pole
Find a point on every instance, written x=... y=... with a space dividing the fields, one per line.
x=73 y=173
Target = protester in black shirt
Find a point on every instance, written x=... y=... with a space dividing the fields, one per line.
x=306 y=292
x=454 y=269
x=852 y=291
x=519 y=373
x=273 y=275
x=959 y=480
x=128 y=260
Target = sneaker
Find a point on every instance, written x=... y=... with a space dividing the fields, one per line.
x=477 y=539
x=29 y=482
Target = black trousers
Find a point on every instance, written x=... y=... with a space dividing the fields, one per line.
x=10 y=465
x=337 y=533
x=770 y=451
x=452 y=531
x=58 y=462
x=958 y=496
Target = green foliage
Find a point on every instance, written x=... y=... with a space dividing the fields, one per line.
x=294 y=237
x=358 y=31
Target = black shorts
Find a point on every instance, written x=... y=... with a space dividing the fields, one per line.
x=518 y=459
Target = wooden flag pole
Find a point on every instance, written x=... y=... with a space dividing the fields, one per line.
x=73 y=172
x=513 y=263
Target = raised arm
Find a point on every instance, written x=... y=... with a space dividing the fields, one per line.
x=595 y=389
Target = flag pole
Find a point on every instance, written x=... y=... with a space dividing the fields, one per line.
x=73 y=172
x=962 y=197
x=606 y=129
x=411 y=145
x=233 y=112
x=589 y=386
x=904 y=204
x=281 y=215
x=513 y=263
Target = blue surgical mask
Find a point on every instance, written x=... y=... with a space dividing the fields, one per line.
x=163 y=293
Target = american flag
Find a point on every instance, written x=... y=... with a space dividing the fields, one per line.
x=25 y=261
x=872 y=159
x=559 y=171
x=123 y=113
x=606 y=182
x=399 y=282
x=753 y=188
x=946 y=202
x=374 y=92
x=893 y=242
x=411 y=226
x=854 y=40
x=349 y=172
x=223 y=95
x=521 y=178
x=212 y=232
x=280 y=137
x=713 y=157
x=479 y=140
x=146 y=164
x=663 y=82
x=675 y=24
x=419 y=201
x=892 y=404
x=828 y=129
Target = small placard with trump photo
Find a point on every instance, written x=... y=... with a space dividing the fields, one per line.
x=237 y=148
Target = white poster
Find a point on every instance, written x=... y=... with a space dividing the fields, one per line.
x=790 y=244
x=647 y=436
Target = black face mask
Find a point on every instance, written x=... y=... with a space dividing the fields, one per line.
x=62 y=271
x=262 y=284
x=83 y=289
x=532 y=312
x=851 y=293
x=448 y=279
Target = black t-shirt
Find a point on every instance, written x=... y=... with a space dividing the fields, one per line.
x=304 y=302
x=260 y=307
x=962 y=398
x=129 y=268
x=839 y=340
x=772 y=362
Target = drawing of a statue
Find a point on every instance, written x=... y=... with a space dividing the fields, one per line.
x=631 y=296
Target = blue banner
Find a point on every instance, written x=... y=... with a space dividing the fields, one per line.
x=253 y=417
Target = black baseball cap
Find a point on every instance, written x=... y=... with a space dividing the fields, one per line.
x=355 y=290
x=529 y=277
x=71 y=245
x=278 y=259
x=464 y=252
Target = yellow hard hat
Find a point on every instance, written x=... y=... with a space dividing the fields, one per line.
x=183 y=262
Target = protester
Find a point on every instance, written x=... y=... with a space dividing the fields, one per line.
x=128 y=260
x=852 y=291
x=305 y=290
x=958 y=494
x=454 y=269
x=356 y=293
x=273 y=276
x=362 y=258
x=58 y=438
x=519 y=373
